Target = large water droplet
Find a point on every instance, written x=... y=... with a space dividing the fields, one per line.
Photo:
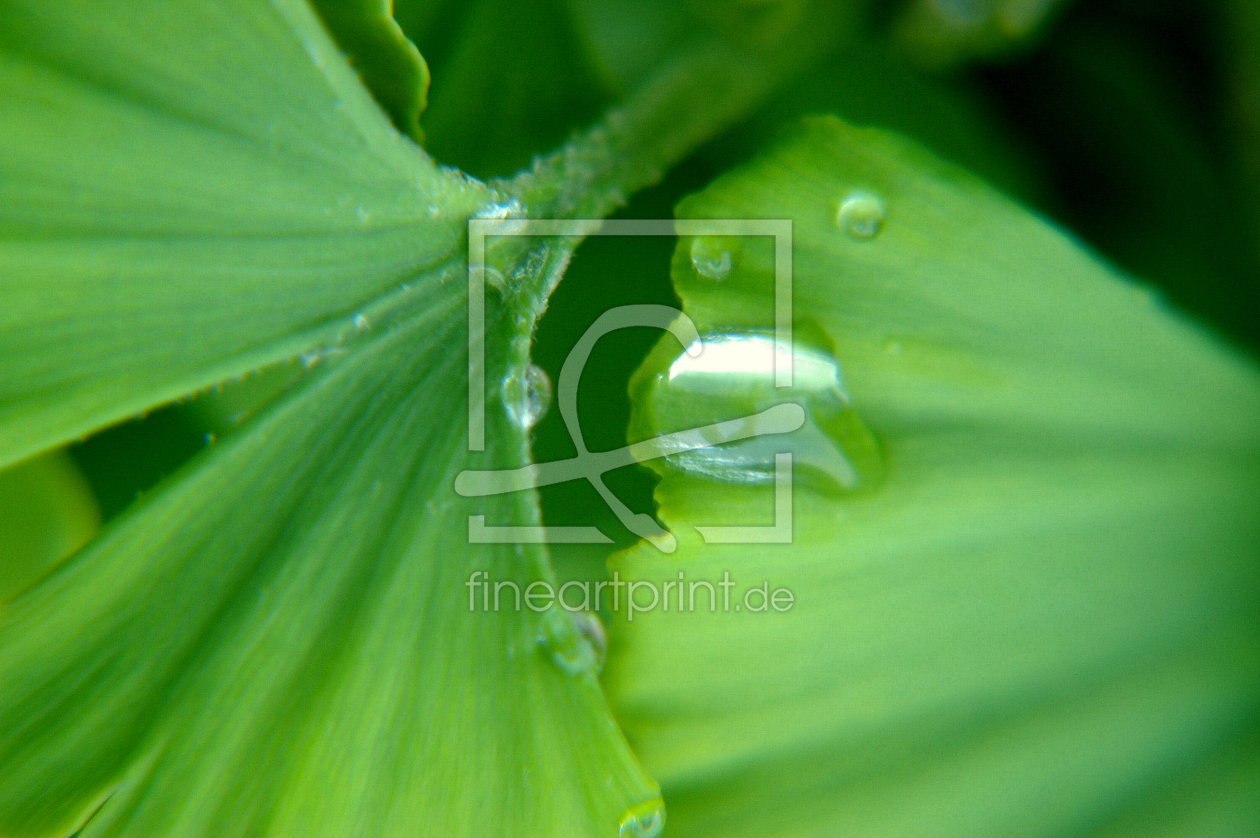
x=646 y=820
x=860 y=215
x=713 y=257
x=527 y=396
x=726 y=419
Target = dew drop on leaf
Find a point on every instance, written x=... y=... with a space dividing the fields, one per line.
x=591 y=628
x=574 y=640
x=527 y=396
x=713 y=257
x=726 y=418
x=511 y=213
x=645 y=820
x=860 y=215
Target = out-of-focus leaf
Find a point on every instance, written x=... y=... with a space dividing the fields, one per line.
x=630 y=42
x=389 y=64
x=495 y=107
x=864 y=82
x=46 y=513
x=945 y=33
x=627 y=42
x=1040 y=618
x=1242 y=37
x=187 y=194
x=1137 y=171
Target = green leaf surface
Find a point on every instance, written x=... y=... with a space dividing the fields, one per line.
x=46 y=512
x=389 y=64
x=1039 y=620
x=277 y=640
x=187 y=194
x=280 y=641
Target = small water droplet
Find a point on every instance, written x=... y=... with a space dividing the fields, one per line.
x=511 y=212
x=645 y=820
x=574 y=640
x=495 y=210
x=727 y=420
x=527 y=396
x=313 y=356
x=363 y=214
x=211 y=439
x=713 y=257
x=860 y=215
x=592 y=630
x=360 y=321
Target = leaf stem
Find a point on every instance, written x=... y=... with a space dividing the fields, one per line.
x=685 y=104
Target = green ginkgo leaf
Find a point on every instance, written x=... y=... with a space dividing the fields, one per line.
x=278 y=640
x=1032 y=614
x=176 y=215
